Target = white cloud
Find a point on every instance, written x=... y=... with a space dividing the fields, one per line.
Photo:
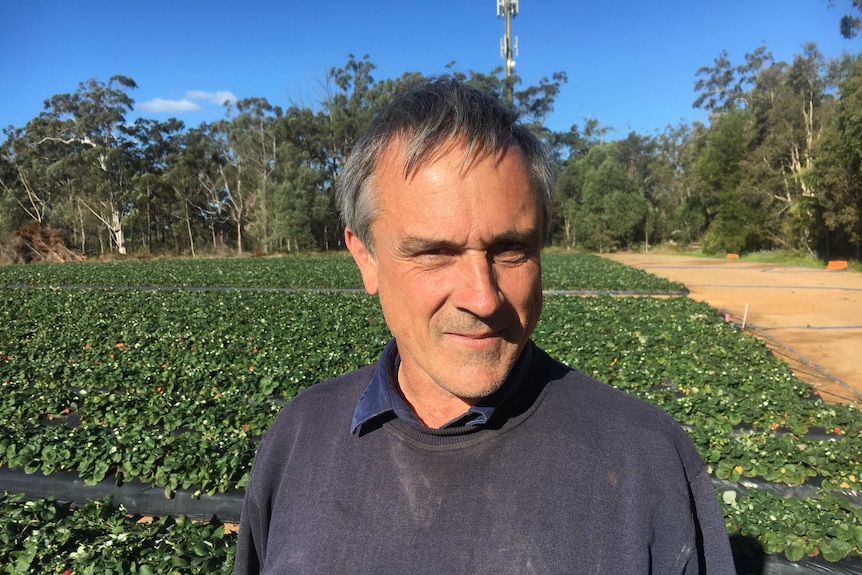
x=162 y=105
x=194 y=101
x=218 y=97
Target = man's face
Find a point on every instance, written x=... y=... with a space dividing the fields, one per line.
x=456 y=265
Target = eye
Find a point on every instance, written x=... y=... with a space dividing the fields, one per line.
x=436 y=252
x=436 y=256
x=511 y=254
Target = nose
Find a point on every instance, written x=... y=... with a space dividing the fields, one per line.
x=477 y=291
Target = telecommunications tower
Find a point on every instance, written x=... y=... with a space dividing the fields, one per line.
x=508 y=9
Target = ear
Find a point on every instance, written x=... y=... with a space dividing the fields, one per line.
x=363 y=258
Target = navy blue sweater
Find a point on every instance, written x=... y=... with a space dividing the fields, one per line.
x=568 y=476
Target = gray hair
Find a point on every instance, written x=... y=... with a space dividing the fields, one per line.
x=428 y=116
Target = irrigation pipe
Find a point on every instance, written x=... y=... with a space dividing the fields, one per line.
x=185 y=288
x=682 y=292
x=774 y=287
x=136 y=497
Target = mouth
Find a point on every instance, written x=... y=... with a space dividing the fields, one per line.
x=478 y=340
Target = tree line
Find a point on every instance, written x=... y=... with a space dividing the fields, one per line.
x=778 y=166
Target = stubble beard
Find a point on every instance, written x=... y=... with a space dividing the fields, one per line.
x=487 y=368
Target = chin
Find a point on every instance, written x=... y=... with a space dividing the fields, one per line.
x=481 y=390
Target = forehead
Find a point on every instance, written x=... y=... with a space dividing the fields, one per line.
x=456 y=189
x=414 y=151
x=403 y=159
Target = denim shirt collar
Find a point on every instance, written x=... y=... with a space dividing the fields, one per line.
x=382 y=396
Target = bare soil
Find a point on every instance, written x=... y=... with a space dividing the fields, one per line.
x=811 y=318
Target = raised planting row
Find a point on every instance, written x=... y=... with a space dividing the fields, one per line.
x=45 y=536
x=566 y=271
x=170 y=388
x=561 y=271
x=329 y=271
x=796 y=527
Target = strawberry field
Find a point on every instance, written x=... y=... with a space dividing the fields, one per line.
x=165 y=374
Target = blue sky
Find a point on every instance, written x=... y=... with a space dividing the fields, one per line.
x=631 y=65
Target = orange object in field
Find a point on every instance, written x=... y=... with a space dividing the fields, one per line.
x=733 y=256
x=837 y=265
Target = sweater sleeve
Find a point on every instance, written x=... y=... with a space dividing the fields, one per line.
x=715 y=557
x=251 y=540
x=256 y=513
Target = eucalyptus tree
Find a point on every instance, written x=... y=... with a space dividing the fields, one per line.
x=736 y=216
x=156 y=214
x=306 y=217
x=837 y=173
x=352 y=98
x=10 y=195
x=251 y=145
x=602 y=206
x=349 y=103
x=722 y=87
x=767 y=118
x=534 y=103
x=89 y=124
x=566 y=145
x=38 y=187
x=594 y=132
x=27 y=183
x=245 y=155
x=683 y=204
x=851 y=22
x=789 y=105
x=639 y=156
x=190 y=175
x=259 y=178
x=208 y=178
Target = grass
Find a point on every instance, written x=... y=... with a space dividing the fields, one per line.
x=784 y=257
x=779 y=257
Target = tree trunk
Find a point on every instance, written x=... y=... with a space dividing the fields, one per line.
x=189 y=227
x=238 y=237
x=117 y=232
x=83 y=242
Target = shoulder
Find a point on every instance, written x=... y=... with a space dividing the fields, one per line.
x=331 y=400
x=320 y=412
x=593 y=398
x=612 y=418
x=317 y=415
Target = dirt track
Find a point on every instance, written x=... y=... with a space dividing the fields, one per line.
x=812 y=318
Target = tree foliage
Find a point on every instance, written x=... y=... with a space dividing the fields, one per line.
x=838 y=170
x=757 y=177
x=850 y=23
x=777 y=166
x=260 y=179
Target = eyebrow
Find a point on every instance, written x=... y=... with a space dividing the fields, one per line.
x=416 y=244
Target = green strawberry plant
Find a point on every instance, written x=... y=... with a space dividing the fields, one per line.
x=173 y=387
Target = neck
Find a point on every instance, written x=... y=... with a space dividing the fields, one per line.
x=434 y=406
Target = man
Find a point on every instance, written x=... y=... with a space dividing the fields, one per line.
x=466 y=449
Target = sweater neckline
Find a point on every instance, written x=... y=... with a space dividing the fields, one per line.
x=511 y=413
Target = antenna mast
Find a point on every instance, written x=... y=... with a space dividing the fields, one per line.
x=508 y=9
